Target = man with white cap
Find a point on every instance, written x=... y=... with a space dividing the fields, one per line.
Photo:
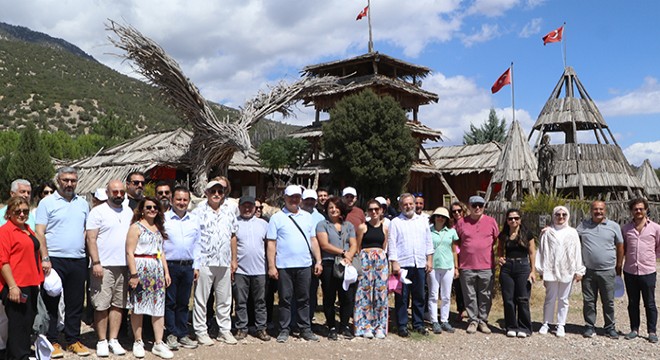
x=212 y=262
x=477 y=234
x=355 y=215
x=309 y=198
x=292 y=249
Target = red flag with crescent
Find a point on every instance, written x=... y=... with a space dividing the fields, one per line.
x=553 y=36
x=505 y=79
x=362 y=13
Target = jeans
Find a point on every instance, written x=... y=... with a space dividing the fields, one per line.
x=177 y=298
x=73 y=273
x=293 y=285
x=514 y=275
x=476 y=285
x=418 y=278
x=246 y=287
x=332 y=287
x=596 y=282
x=644 y=284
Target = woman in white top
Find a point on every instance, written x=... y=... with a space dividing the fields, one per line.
x=559 y=261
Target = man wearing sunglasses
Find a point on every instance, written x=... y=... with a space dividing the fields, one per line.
x=134 y=188
x=477 y=234
x=218 y=223
x=602 y=253
x=164 y=195
x=107 y=227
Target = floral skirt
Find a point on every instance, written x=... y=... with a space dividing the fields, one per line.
x=148 y=297
x=371 y=307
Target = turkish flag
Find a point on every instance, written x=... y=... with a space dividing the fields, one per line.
x=553 y=36
x=505 y=79
x=362 y=13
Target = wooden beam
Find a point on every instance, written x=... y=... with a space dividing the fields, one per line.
x=439 y=175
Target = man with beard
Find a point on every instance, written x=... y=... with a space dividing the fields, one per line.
x=322 y=195
x=134 y=188
x=60 y=229
x=107 y=227
x=164 y=195
x=354 y=214
x=218 y=224
x=410 y=248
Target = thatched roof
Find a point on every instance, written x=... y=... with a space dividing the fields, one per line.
x=516 y=167
x=387 y=65
x=143 y=153
x=465 y=159
x=419 y=130
x=649 y=179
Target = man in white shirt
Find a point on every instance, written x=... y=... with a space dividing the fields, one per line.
x=410 y=247
x=106 y=229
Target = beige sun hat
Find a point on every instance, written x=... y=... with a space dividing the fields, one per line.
x=442 y=212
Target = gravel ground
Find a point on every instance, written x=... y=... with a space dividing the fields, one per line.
x=456 y=345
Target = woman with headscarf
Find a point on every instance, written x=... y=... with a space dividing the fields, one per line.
x=559 y=261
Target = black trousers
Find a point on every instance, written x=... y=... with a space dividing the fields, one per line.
x=73 y=273
x=293 y=286
x=644 y=285
x=332 y=287
x=20 y=318
x=515 y=294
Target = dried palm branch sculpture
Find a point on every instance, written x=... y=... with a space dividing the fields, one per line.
x=215 y=140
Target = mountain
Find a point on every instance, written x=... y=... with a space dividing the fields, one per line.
x=57 y=86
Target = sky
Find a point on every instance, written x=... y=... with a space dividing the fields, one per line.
x=232 y=48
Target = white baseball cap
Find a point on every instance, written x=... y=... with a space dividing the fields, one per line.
x=293 y=190
x=309 y=193
x=350 y=276
x=349 y=191
x=53 y=284
x=100 y=194
x=381 y=200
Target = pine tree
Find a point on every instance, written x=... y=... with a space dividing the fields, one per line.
x=493 y=129
x=30 y=160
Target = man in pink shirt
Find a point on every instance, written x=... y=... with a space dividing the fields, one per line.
x=641 y=241
x=477 y=233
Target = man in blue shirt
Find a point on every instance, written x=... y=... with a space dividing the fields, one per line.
x=60 y=227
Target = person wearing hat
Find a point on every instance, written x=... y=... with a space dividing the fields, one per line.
x=641 y=238
x=410 y=248
x=184 y=233
x=477 y=234
x=217 y=218
x=354 y=214
x=309 y=199
x=106 y=230
x=249 y=262
x=443 y=273
x=99 y=197
x=292 y=250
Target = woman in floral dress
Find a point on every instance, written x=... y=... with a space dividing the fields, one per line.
x=149 y=275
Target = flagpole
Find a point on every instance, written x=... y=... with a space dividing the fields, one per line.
x=563 y=37
x=371 y=43
x=513 y=103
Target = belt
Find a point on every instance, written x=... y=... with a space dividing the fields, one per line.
x=517 y=259
x=148 y=256
x=180 y=262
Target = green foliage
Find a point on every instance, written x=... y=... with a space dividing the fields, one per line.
x=493 y=129
x=112 y=127
x=30 y=160
x=282 y=153
x=657 y=172
x=541 y=203
x=368 y=145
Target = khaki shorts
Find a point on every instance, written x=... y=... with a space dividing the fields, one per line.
x=111 y=290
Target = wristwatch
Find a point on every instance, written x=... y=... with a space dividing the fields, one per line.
x=134 y=276
x=45 y=259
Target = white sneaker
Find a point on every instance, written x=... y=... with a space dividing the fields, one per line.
x=560 y=331
x=102 y=349
x=511 y=333
x=138 y=349
x=522 y=334
x=368 y=335
x=226 y=337
x=116 y=348
x=160 y=349
x=204 y=340
x=544 y=329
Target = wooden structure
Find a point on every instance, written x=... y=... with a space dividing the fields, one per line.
x=165 y=155
x=384 y=75
x=516 y=169
x=583 y=170
x=649 y=180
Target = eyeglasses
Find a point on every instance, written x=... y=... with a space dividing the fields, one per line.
x=373 y=209
x=18 y=212
x=477 y=205
x=512 y=218
x=69 y=180
x=151 y=207
x=47 y=192
x=137 y=182
x=163 y=192
x=561 y=215
x=118 y=192
x=216 y=190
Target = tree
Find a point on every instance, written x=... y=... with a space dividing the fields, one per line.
x=30 y=160
x=112 y=127
x=281 y=154
x=493 y=129
x=368 y=145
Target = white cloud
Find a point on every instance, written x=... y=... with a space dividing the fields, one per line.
x=644 y=100
x=486 y=33
x=638 y=152
x=492 y=8
x=533 y=27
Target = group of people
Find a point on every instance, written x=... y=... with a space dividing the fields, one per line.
x=150 y=254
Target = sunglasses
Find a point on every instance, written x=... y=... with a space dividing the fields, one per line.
x=259 y=207
x=137 y=182
x=22 y=211
x=373 y=209
x=118 y=192
x=151 y=207
x=215 y=190
x=477 y=205
x=47 y=192
x=512 y=218
x=561 y=215
x=163 y=192
x=457 y=211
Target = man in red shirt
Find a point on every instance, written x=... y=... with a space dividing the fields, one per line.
x=355 y=215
